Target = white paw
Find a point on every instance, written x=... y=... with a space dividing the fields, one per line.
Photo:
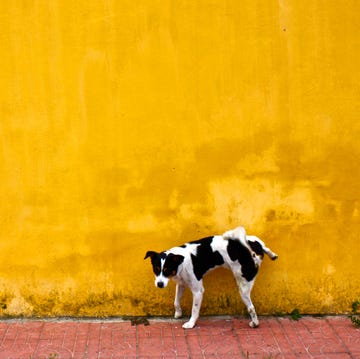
x=188 y=325
x=178 y=314
x=253 y=324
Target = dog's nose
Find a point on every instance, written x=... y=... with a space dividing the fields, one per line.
x=160 y=284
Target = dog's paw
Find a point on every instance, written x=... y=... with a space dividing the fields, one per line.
x=178 y=314
x=253 y=324
x=274 y=256
x=188 y=325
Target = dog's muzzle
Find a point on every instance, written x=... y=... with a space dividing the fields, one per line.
x=161 y=281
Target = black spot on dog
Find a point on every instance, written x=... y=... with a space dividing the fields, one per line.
x=171 y=264
x=205 y=257
x=257 y=248
x=238 y=252
x=205 y=241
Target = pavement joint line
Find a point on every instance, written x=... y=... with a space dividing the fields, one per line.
x=339 y=339
x=286 y=335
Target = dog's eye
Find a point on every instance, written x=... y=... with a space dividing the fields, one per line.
x=157 y=270
x=169 y=272
x=166 y=271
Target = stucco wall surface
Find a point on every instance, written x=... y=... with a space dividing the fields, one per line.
x=132 y=125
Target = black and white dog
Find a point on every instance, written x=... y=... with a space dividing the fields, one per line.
x=187 y=265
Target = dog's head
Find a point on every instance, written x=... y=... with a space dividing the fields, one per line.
x=164 y=266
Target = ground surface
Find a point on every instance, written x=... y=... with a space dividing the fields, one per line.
x=226 y=337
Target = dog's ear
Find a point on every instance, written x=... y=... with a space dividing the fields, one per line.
x=150 y=254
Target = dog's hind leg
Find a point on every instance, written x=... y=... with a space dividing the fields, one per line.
x=197 y=293
x=245 y=291
x=270 y=253
x=265 y=249
x=178 y=295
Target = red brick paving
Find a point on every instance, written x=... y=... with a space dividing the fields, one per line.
x=328 y=337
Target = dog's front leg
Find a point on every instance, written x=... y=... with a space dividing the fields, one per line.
x=195 y=311
x=178 y=295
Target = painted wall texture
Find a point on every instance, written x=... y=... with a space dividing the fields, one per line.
x=132 y=125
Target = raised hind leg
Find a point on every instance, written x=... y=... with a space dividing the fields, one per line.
x=266 y=250
x=270 y=253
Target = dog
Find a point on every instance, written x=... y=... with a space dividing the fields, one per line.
x=187 y=264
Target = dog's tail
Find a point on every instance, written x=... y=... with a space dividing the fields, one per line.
x=239 y=234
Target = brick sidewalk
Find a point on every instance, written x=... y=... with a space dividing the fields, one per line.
x=329 y=337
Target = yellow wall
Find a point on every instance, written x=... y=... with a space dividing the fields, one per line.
x=134 y=125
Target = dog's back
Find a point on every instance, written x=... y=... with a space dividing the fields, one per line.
x=230 y=250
